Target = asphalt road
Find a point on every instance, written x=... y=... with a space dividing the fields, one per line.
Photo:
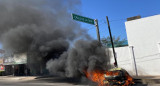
x=51 y=81
x=47 y=81
x=35 y=83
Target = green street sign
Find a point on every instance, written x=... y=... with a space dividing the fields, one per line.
x=82 y=19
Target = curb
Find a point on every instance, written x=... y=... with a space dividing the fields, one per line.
x=16 y=78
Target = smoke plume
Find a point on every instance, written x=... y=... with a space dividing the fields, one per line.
x=84 y=56
x=44 y=30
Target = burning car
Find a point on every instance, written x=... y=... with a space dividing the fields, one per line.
x=117 y=77
x=113 y=77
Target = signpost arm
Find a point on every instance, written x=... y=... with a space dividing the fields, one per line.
x=97 y=28
x=116 y=65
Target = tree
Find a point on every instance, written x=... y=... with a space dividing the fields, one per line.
x=117 y=41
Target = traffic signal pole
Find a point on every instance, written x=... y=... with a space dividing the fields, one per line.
x=114 y=54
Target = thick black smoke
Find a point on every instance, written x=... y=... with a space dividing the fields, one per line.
x=44 y=30
x=41 y=28
x=27 y=23
x=84 y=56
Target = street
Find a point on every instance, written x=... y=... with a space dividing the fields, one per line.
x=33 y=83
x=49 y=81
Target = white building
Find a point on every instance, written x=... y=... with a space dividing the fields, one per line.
x=144 y=47
x=144 y=35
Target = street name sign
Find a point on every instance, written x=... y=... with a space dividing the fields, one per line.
x=82 y=19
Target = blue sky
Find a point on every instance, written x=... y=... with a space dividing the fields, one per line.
x=117 y=11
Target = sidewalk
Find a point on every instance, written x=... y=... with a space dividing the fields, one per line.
x=138 y=79
x=17 y=77
x=147 y=79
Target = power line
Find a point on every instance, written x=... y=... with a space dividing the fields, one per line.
x=102 y=21
x=117 y=20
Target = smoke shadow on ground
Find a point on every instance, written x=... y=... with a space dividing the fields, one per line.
x=74 y=81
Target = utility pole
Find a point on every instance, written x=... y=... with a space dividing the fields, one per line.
x=97 y=29
x=114 y=54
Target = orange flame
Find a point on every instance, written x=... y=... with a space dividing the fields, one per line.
x=129 y=80
x=98 y=77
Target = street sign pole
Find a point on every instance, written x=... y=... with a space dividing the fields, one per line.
x=116 y=65
x=82 y=19
x=97 y=29
x=89 y=21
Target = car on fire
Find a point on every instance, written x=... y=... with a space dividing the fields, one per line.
x=118 y=77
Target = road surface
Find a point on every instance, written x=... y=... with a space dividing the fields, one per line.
x=49 y=81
